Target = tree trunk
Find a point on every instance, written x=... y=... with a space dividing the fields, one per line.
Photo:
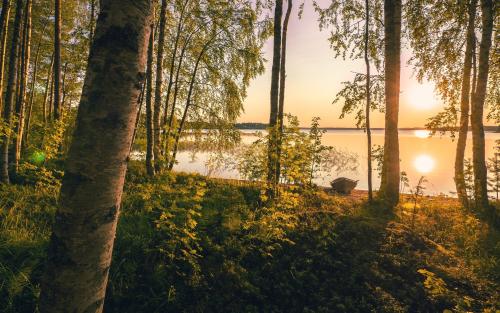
x=172 y=62
x=63 y=86
x=140 y=101
x=31 y=96
x=273 y=115
x=389 y=188
x=188 y=105
x=57 y=61
x=48 y=88
x=368 y=102
x=149 y=107
x=478 y=145
x=23 y=82
x=464 y=107
x=9 y=94
x=159 y=83
x=281 y=101
x=81 y=245
x=174 y=102
x=51 y=97
x=4 y=27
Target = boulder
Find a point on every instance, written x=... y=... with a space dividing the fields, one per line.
x=343 y=185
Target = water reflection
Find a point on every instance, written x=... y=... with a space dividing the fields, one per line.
x=422 y=133
x=420 y=156
x=424 y=163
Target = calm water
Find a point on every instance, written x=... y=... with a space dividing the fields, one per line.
x=420 y=156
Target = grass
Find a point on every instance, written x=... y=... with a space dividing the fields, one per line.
x=189 y=244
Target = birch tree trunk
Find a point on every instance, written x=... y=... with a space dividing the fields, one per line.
x=23 y=82
x=281 y=101
x=478 y=144
x=465 y=107
x=273 y=115
x=149 y=106
x=9 y=94
x=159 y=83
x=4 y=27
x=368 y=101
x=81 y=245
x=176 y=87
x=188 y=105
x=389 y=188
x=48 y=88
x=172 y=62
x=31 y=96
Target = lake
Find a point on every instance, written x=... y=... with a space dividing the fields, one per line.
x=421 y=155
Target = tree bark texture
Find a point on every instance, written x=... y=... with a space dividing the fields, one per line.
x=81 y=245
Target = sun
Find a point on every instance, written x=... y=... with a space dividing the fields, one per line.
x=424 y=163
x=421 y=96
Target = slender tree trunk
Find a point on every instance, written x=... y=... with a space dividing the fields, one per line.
x=63 y=86
x=81 y=245
x=464 y=107
x=31 y=96
x=389 y=188
x=159 y=83
x=23 y=82
x=188 y=105
x=281 y=101
x=48 y=88
x=138 y=116
x=273 y=115
x=149 y=107
x=172 y=62
x=4 y=27
x=9 y=94
x=368 y=101
x=171 y=117
x=51 y=98
x=478 y=144
x=57 y=61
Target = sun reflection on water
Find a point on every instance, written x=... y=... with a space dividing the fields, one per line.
x=424 y=163
x=422 y=133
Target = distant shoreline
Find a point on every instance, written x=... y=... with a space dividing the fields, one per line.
x=262 y=126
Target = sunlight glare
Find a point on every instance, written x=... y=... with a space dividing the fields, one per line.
x=424 y=163
x=421 y=96
x=422 y=133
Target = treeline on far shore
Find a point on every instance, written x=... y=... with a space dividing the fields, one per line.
x=492 y=128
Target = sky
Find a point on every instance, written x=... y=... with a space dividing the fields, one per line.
x=314 y=77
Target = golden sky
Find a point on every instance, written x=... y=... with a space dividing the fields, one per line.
x=314 y=76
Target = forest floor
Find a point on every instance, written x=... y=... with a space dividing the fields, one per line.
x=190 y=244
